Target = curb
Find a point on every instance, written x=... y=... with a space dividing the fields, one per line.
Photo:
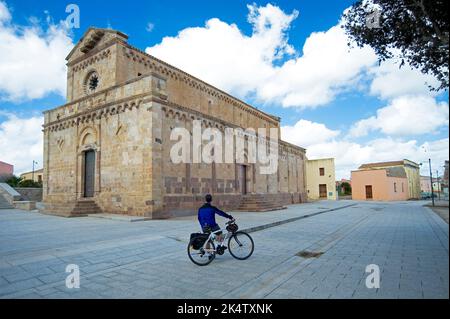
x=436 y=206
x=293 y=219
x=122 y=218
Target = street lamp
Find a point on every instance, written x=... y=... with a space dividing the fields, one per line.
x=32 y=174
x=438 y=185
x=431 y=180
x=431 y=176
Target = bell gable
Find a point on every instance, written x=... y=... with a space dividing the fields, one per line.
x=92 y=39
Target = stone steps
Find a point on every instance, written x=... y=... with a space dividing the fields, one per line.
x=85 y=207
x=4 y=204
x=258 y=203
x=78 y=209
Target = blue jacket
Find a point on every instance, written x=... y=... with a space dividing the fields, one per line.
x=206 y=215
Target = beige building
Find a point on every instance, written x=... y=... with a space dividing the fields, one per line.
x=37 y=176
x=381 y=184
x=320 y=179
x=411 y=170
x=108 y=148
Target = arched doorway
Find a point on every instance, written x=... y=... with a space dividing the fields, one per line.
x=88 y=166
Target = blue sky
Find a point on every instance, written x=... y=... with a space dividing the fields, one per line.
x=333 y=102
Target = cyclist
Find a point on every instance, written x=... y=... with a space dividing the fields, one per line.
x=207 y=218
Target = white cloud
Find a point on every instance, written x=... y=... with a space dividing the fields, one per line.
x=4 y=13
x=264 y=64
x=220 y=54
x=21 y=141
x=322 y=142
x=390 y=81
x=306 y=133
x=406 y=115
x=326 y=67
x=32 y=61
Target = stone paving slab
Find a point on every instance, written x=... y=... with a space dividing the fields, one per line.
x=148 y=259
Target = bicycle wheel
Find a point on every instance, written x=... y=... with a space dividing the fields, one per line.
x=241 y=245
x=201 y=257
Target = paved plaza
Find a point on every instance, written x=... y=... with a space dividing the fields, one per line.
x=147 y=259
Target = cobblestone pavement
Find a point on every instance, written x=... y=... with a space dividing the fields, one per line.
x=148 y=259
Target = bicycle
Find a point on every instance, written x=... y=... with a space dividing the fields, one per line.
x=240 y=244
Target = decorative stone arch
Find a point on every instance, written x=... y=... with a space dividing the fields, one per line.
x=88 y=138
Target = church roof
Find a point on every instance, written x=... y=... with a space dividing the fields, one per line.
x=91 y=37
x=381 y=164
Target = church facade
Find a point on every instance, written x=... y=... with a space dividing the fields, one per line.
x=108 y=148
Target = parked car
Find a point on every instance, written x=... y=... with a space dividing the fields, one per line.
x=427 y=195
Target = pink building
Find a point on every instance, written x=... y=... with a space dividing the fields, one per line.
x=383 y=184
x=6 y=169
x=425 y=184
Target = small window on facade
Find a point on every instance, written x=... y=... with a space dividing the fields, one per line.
x=91 y=82
x=161 y=84
x=322 y=171
x=403 y=188
x=395 y=187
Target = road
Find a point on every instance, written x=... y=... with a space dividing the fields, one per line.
x=407 y=242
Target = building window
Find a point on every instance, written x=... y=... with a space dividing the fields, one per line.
x=322 y=171
x=403 y=189
x=395 y=187
x=40 y=178
x=91 y=83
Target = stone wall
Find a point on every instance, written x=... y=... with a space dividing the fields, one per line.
x=184 y=205
x=30 y=193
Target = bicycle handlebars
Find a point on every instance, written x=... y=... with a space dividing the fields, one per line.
x=230 y=221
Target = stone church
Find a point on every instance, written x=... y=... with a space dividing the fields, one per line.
x=107 y=149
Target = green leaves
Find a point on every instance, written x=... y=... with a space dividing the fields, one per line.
x=413 y=32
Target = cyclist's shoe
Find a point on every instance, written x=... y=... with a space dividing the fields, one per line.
x=221 y=249
x=210 y=256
